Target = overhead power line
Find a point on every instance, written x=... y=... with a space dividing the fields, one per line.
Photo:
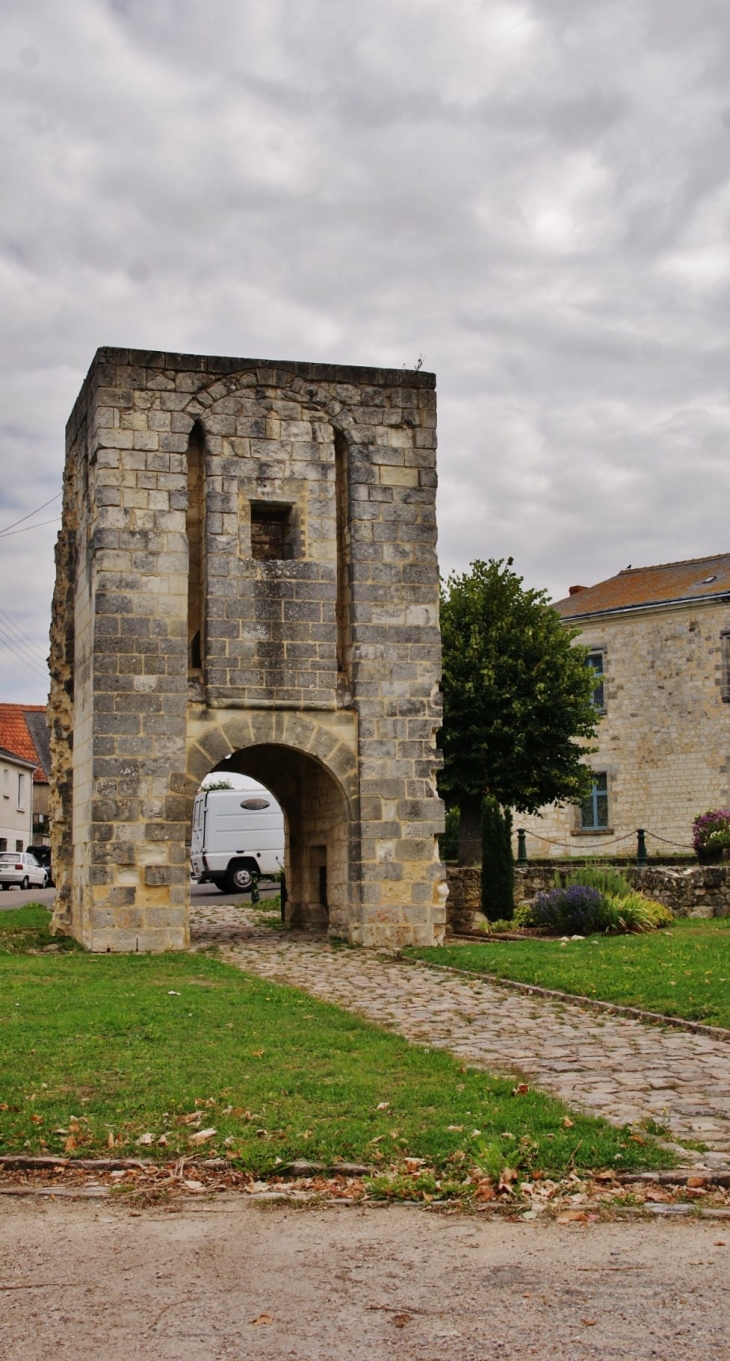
x=32 y=667
x=30 y=515
x=8 y=533
x=16 y=627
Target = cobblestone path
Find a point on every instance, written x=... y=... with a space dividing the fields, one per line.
x=609 y=1065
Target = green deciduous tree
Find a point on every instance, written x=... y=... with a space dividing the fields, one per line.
x=518 y=699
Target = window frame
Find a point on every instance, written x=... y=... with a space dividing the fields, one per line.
x=599 y=652
x=725 y=666
x=597 y=793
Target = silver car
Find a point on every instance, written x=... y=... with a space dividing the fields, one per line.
x=21 y=869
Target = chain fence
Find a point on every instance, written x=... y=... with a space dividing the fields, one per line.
x=609 y=841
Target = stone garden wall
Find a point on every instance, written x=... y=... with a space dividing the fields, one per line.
x=688 y=890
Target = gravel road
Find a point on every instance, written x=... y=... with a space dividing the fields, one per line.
x=226 y=1280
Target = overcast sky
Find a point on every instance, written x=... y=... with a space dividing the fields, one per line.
x=533 y=197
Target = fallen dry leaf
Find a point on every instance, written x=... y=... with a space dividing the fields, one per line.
x=262 y=1319
x=567 y=1122
x=146 y=1139
x=202 y=1136
x=572 y=1217
x=400 y=1320
x=521 y=1089
x=455 y=1129
x=37 y=1119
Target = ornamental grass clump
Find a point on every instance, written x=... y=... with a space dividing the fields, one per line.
x=635 y=914
x=602 y=877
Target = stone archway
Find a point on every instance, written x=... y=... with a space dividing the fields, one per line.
x=310 y=766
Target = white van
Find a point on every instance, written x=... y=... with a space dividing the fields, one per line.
x=237 y=834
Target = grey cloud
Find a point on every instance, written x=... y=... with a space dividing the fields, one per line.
x=533 y=195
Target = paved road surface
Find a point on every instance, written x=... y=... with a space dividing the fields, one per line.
x=199 y=894
x=226 y=1280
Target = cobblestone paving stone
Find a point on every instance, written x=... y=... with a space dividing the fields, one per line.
x=612 y=1066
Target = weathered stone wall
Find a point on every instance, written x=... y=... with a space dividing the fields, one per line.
x=344 y=625
x=664 y=740
x=689 y=891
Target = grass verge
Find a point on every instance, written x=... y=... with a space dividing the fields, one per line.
x=683 y=971
x=102 y=1051
x=25 y=929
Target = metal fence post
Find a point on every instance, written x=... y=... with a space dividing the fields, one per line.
x=641 y=856
x=521 y=847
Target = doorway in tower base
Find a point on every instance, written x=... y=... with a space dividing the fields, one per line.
x=317 y=823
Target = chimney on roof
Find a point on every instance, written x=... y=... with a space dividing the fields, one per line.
x=573 y=590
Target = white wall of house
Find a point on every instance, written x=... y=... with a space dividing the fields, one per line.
x=16 y=804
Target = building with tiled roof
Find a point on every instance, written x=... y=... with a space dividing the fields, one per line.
x=16 y=802
x=24 y=733
x=659 y=641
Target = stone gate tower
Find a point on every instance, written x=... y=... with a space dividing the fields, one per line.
x=247 y=580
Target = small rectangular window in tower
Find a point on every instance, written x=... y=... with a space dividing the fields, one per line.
x=271 y=532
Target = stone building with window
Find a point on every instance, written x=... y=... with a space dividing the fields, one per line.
x=659 y=640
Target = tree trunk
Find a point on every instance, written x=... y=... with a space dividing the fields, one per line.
x=470 y=831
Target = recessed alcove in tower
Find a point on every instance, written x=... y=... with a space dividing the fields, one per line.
x=195 y=531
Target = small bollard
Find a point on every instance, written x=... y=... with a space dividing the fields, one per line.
x=641 y=856
x=521 y=847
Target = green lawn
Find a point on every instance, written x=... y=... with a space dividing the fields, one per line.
x=121 y=1046
x=682 y=971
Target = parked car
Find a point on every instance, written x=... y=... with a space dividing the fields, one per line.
x=21 y=869
x=43 y=856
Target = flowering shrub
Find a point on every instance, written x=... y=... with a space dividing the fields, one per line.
x=577 y=910
x=580 y=910
x=711 y=830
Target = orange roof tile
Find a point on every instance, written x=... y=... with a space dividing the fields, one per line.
x=16 y=737
x=634 y=587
